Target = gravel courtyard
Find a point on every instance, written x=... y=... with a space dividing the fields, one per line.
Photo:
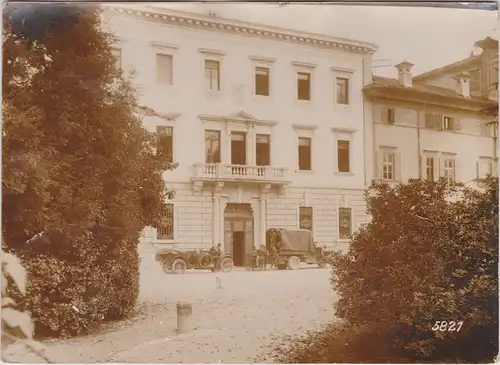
x=233 y=323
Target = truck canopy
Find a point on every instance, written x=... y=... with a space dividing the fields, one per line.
x=296 y=240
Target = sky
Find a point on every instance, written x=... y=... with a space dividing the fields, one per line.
x=427 y=37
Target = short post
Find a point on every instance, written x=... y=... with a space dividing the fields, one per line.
x=184 y=312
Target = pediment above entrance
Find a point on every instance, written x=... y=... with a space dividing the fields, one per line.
x=239 y=117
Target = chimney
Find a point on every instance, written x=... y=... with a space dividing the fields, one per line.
x=463 y=84
x=404 y=73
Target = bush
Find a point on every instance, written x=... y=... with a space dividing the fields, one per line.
x=424 y=258
x=81 y=177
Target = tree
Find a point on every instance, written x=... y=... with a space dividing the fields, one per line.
x=83 y=178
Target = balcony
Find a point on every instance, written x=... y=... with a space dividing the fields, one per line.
x=240 y=173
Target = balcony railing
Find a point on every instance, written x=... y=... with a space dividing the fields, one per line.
x=228 y=172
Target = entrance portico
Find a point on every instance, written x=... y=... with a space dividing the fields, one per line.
x=239 y=208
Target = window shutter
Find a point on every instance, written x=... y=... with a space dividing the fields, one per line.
x=438 y=122
x=379 y=159
x=397 y=166
x=458 y=124
x=385 y=115
x=440 y=163
x=429 y=121
x=164 y=69
x=478 y=169
x=423 y=168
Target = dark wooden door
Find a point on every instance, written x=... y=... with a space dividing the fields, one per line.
x=238 y=148
x=239 y=248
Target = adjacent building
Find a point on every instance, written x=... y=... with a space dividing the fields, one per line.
x=437 y=124
x=267 y=125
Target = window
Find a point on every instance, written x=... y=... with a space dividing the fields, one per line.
x=388 y=166
x=433 y=121
x=303 y=85
x=166 y=225
x=345 y=223
x=165 y=142
x=304 y=153
x=164 y=71
x=262 y=150
x=448 y=123
x=343 y=161
x=484 y=167
x=212 y=75
x=449 y=169
x=117 y=54
x=488 y=129
x=430 y=167
x=342 y=90
x=306 y=218
x=212 y=146
x=389 y=116
x=262 y=81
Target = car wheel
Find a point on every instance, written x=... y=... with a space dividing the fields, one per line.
x=179 y=266
x=226 y=264
x=293 y=263
x=167 y=269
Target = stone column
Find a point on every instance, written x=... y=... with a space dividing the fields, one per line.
x=251 y=146
x=222 y=208
x=262 y=212
x=226 y=143
x=216 y=215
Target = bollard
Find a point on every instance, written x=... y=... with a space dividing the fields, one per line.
x=184 y=311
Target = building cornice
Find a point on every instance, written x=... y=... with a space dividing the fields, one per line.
x=197 y=21
x=415 y=96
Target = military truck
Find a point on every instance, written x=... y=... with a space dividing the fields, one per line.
x=295 y=247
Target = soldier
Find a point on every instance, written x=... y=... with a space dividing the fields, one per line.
x=262 y=253
x=217 y=257
x=274 y=257
x=255 y=257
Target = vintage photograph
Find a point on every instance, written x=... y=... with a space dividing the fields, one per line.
x=230 y=182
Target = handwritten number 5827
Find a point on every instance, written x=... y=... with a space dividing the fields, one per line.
x=452 y=326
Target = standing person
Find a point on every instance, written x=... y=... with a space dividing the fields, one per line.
x=255 y=259
x=262 y=257
x=274 y=257
x=218 y=254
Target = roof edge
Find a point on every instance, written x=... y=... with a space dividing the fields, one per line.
x=194 y=20
x=448 y=68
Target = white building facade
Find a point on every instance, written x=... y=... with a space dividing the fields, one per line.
x=267 y=125
x=435 y=125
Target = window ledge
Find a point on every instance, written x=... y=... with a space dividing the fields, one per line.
x=304 y=171
x=262 y=98
x=347 y=107
x=162 y=241
x=304 y=102
x=344 y=173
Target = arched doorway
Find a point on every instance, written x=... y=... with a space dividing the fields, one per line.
x=238 y=232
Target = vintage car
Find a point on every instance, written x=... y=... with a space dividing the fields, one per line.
x=295 y=247
x=177 y=261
